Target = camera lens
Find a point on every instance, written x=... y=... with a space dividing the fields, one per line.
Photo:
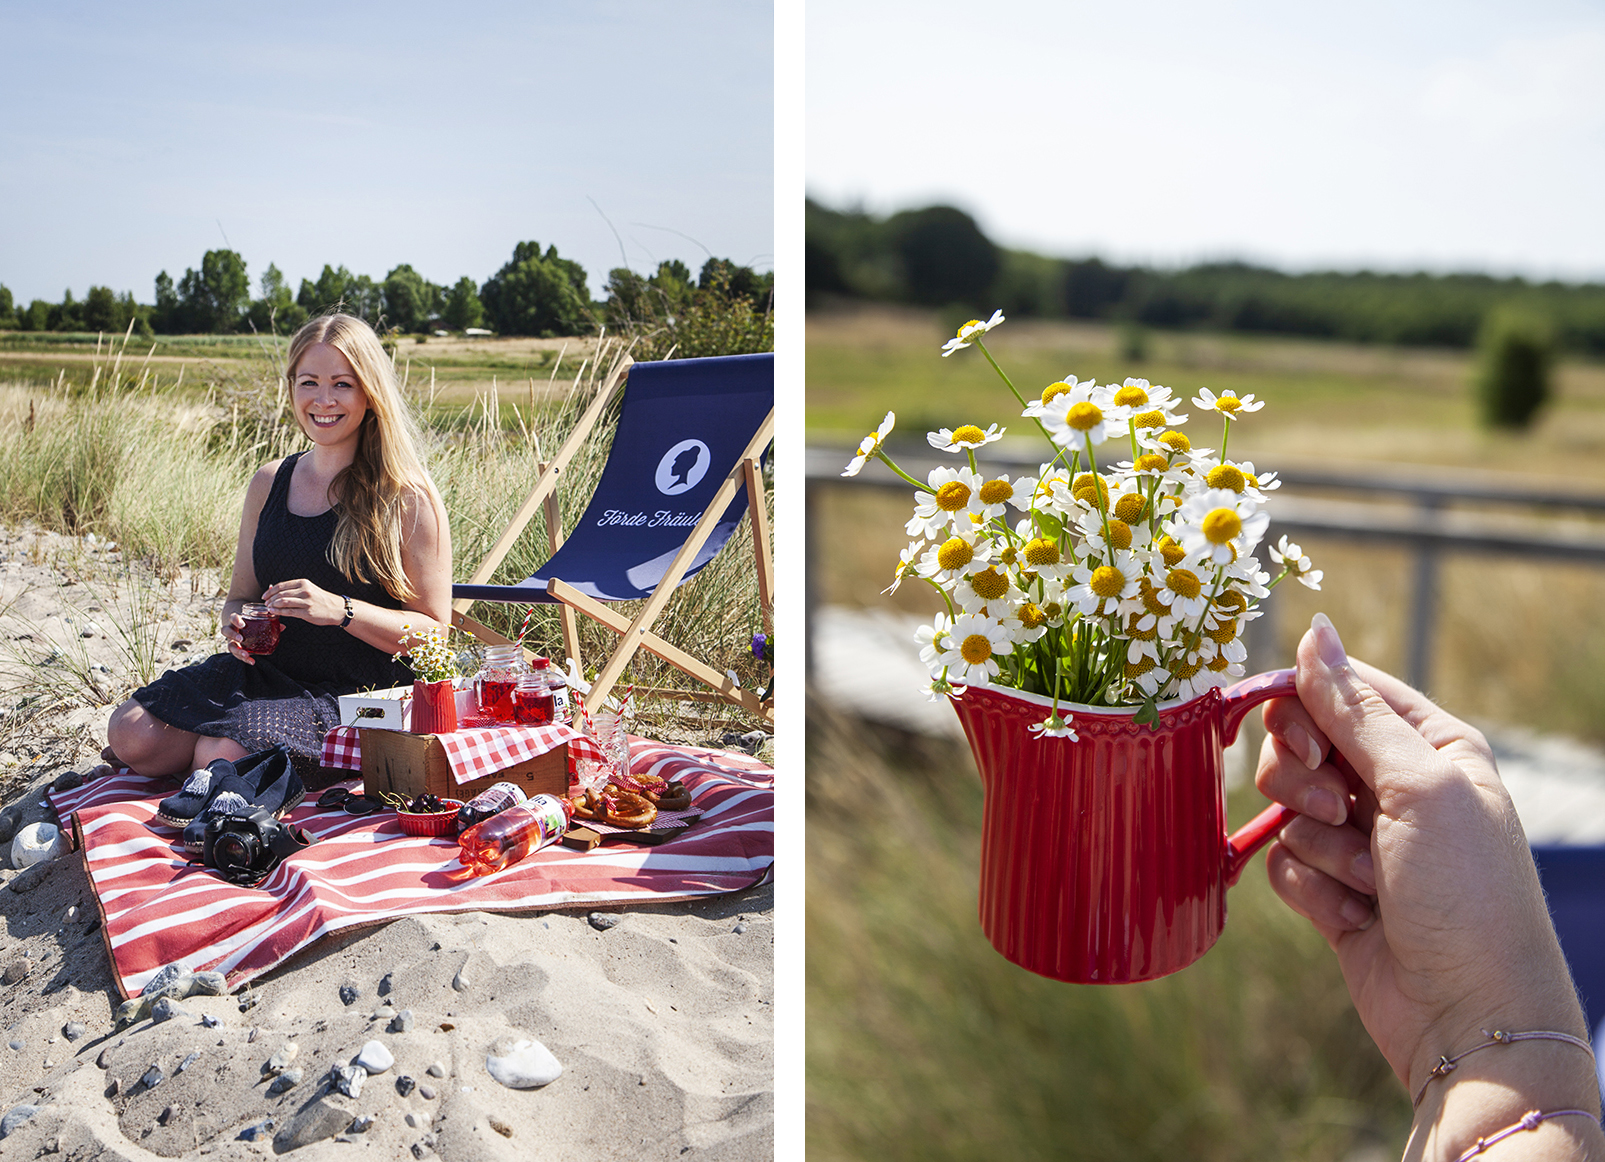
x=235 y=849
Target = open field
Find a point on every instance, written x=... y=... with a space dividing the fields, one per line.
x=451 y=371
x=1327 y=401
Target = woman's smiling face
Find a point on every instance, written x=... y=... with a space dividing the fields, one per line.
x=329 y=400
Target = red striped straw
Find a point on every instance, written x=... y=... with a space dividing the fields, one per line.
x=524 y=628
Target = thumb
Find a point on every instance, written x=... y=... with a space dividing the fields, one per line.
x=1388 y=754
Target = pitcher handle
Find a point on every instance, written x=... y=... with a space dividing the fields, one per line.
x=1260 y=830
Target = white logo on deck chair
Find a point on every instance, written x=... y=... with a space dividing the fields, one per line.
x=682 y=467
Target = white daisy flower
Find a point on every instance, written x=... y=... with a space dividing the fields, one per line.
x=973 y=645
x=1294 y=560
x=1083 y=416
x=870 y=445
x=1183 y=592
x=964 y=436
x=997 y=495
x=1220 y=525
x=1100 y=588
x=1038 y=406
x=1054 y=726
x=932 y=640
x=1138 y=394
x=940 y=689
x=906 y=561
x=958 y=556
x=1227 y=403
x=953 y=498
x=1027 y=621
x=990 y=587
x=970 y=332
x=1042 y=557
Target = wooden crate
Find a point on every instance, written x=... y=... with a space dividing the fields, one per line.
x=414 y=764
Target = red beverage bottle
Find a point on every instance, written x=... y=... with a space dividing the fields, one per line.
x=509 y=836
x=493 y=800
x=260 y=635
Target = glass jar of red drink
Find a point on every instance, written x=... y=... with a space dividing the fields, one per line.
x=260 y=634
x=496 y=681
x=534 y=702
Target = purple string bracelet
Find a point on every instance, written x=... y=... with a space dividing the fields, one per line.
x=1446 y=1065
x=1529 y=1121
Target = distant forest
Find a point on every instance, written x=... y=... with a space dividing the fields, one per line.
x=535 y=292
x=938 y=256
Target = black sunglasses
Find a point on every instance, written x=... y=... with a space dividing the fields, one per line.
x=351 y=802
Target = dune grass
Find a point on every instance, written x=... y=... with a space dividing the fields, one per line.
x=160 y=468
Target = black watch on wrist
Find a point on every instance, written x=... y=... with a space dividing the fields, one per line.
x=350 y=613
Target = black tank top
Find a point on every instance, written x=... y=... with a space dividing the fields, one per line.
x=288 y=547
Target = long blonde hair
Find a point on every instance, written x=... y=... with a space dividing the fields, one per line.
x=371 y=491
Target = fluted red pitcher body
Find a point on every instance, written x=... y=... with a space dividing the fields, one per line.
x=1105 y=859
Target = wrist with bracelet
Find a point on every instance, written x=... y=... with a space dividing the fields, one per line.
x=350 y=612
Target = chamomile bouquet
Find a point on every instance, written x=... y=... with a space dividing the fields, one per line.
x=1121 y=574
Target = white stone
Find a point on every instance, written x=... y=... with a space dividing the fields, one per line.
x=36 y=843
x=375 y=1058
x=527 y=1065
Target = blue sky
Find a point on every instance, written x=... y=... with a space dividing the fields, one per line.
x=135 y=138
x=1465 y=135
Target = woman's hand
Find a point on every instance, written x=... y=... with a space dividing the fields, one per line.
x=1402 y=803
x=304 y=600
x=233 y=635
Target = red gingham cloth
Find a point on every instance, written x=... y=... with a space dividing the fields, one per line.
x=158 y=908
x=476 y=753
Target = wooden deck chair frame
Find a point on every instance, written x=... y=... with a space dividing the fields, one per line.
x=636 y=634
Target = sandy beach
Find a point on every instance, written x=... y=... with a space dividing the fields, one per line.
x=660 y=1016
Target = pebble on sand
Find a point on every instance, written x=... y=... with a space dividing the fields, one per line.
x=526 y=1065
x=375 y=1058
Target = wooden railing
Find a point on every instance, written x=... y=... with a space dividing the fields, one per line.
x=1404 y=507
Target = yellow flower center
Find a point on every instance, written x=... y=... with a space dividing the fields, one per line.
x=1224 y=632
x=1053 y=390
x=1228 y=403
x=1219 y=663
x=967 y=326
x=1221 y=525
x=1031 y=617
x=1141 y=666
x=1009 y=555
x=989 y=584
x=1120 y=534
x=1183 y=583
x=1131 y=396
x=1091 y=489
x=1083 y=417
x=968 y=434
x=1130 y=508
x=1151 y=462
x=1142 y=635
x=1171 y=551
x=976 y=649
x=1176 y=441
x=952 y=496
x=1150 y=598
x=996 y=491
x=1148 y=420
x=1226 y=476
x=1231 y=599
x=955 y=553
x=1182 y=668
x=1107 y=581
x=1041 y=552
x=1053 y=609
x=1252 y=479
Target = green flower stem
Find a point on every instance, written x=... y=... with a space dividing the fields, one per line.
x=887 y=460
x=1103 y=505
x=1004 y=376
x=1225 y=435
x=1286 y=569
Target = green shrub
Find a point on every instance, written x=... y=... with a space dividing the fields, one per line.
x=1514 y=358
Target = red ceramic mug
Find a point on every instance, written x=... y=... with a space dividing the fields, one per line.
x=1106 y=860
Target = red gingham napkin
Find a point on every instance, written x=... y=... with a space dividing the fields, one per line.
x=473 y=754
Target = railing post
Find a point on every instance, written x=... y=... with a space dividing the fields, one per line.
x=810 y=573
x=1423 y=606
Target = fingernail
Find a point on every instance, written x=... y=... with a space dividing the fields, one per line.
x=1327 y=643
x=1365 y=871
x=1319 y=803
x=1362 y=916
x=1299 y=741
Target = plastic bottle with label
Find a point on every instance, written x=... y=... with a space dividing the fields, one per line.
x=507 y=837
x=493 y=800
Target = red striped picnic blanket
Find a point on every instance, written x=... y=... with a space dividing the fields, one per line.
x=158 y=908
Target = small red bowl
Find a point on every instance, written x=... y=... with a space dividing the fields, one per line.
x=431 y=822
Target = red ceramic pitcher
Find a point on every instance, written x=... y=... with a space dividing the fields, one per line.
x=1106 y=860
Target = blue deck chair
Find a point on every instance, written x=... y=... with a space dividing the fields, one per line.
x=684 y=467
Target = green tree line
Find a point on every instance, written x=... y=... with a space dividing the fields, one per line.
x=726 y=309
x=939 y=256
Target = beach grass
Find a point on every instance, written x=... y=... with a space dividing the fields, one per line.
x=160 y=468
